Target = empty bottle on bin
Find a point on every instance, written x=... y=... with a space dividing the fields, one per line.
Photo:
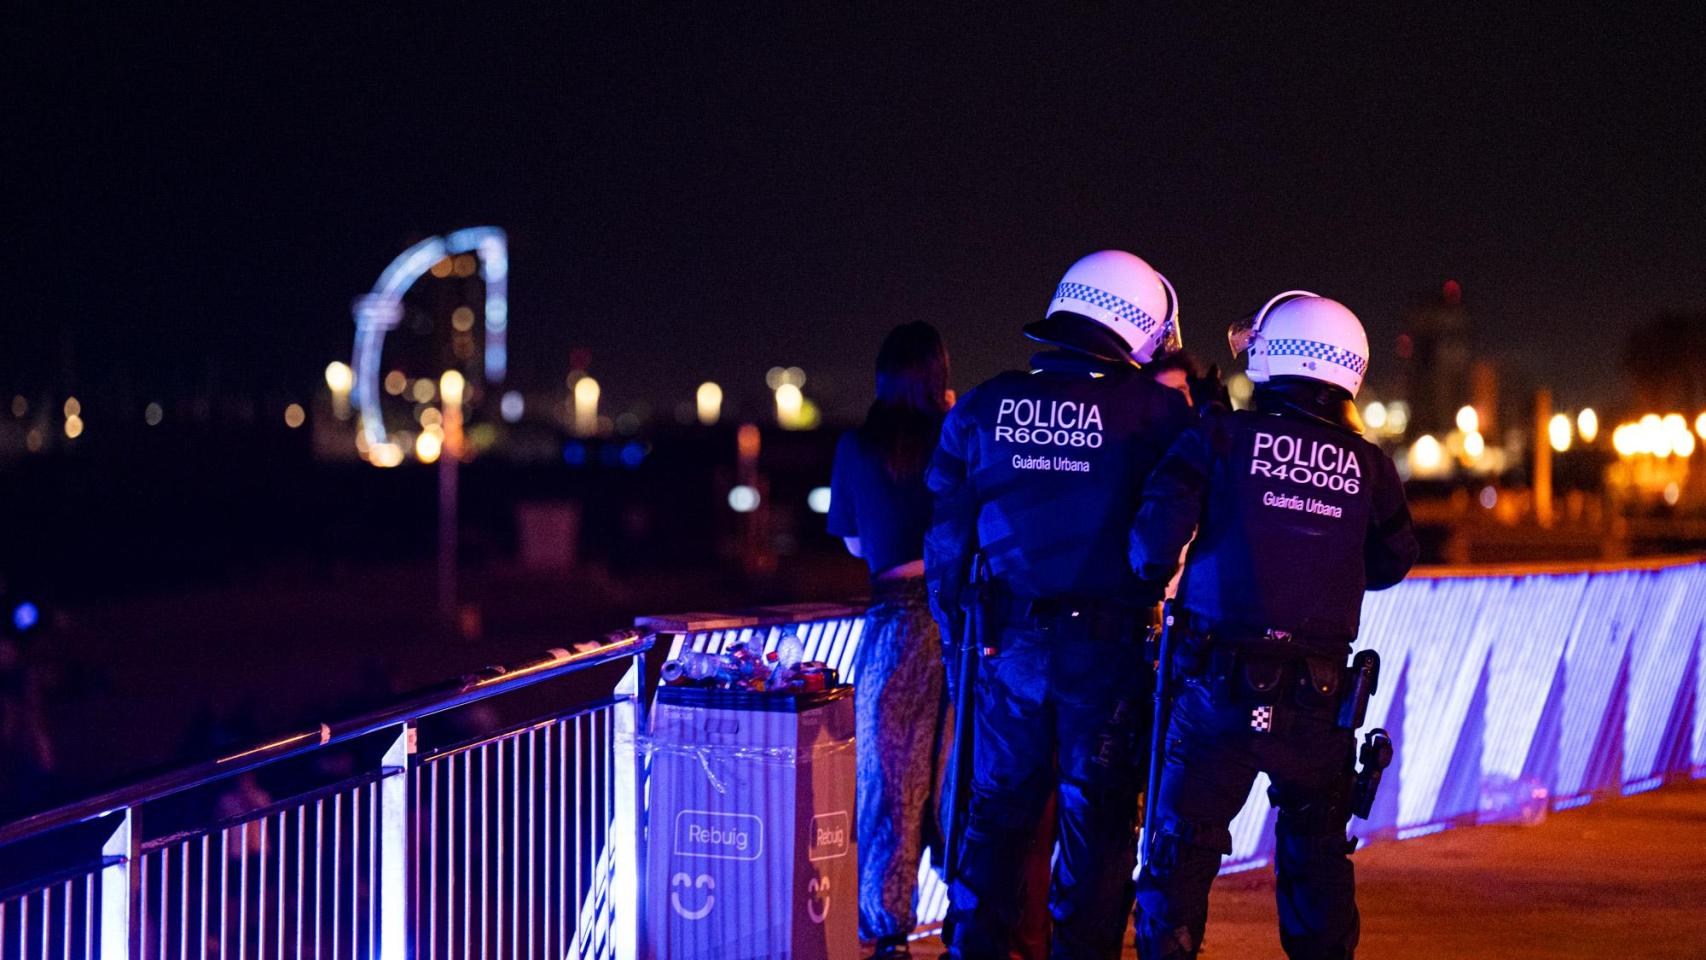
x=691 y=667
x=742 y=666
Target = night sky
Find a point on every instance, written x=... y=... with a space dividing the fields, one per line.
x=700 y=195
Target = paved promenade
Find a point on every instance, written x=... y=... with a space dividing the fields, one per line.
x=1621 y=879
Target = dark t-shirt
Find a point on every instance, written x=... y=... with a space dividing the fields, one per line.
x=888 y=516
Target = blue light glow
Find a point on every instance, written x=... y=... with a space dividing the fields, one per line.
x=408 y=267
x=1410 y=833
x=1642 y=786
x=574 y=453
x=1571 y=803
x=633 y=454
x=25 y=616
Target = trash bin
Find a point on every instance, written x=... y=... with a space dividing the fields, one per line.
x=751 y=848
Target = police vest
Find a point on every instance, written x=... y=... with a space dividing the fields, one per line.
x=1059 y=465
x=1285 y=520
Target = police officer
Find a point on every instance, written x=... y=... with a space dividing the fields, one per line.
x=1042 y=472
x=1295 y=516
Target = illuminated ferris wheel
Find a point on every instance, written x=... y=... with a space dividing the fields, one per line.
x=378 y=312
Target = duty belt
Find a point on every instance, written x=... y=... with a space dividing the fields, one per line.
x=1101 y=619
x=1267 y=640
x=1264 y=667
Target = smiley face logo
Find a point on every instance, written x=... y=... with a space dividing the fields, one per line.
x=817 y=899
x=682 y=881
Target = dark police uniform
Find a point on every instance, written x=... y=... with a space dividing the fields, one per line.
x=1043 y=473
x=1295 y=516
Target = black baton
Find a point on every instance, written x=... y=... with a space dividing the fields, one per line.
x=959 y=776
x=1158 y=728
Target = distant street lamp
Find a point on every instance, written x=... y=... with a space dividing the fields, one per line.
x=339 y=379
x=1587 y=424
x=788 y=403
x=385 y=454
x=429 y=446
x=586 y=406
x=1674 y=426
x=1558 y=432
x=1426 y=456
x=450 y=387
x=1624 y=440
x=709 y=403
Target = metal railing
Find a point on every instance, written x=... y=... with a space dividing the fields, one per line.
x=1506 y=689
x=516 y=841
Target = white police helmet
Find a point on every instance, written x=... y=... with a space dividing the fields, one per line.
x=1302 y=334
x=1123 y=294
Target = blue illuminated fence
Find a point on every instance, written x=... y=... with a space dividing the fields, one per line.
x=1508 y=692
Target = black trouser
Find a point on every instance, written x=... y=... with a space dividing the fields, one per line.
x=1213 y=756
x=1058 y=711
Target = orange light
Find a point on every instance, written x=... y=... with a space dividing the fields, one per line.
x=747 y=440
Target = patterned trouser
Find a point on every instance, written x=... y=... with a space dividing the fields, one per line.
x=899 y=697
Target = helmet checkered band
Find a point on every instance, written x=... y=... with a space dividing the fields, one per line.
x=1319 y=351
x=1118 y=306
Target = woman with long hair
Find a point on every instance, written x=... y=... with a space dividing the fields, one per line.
x=880 y=506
